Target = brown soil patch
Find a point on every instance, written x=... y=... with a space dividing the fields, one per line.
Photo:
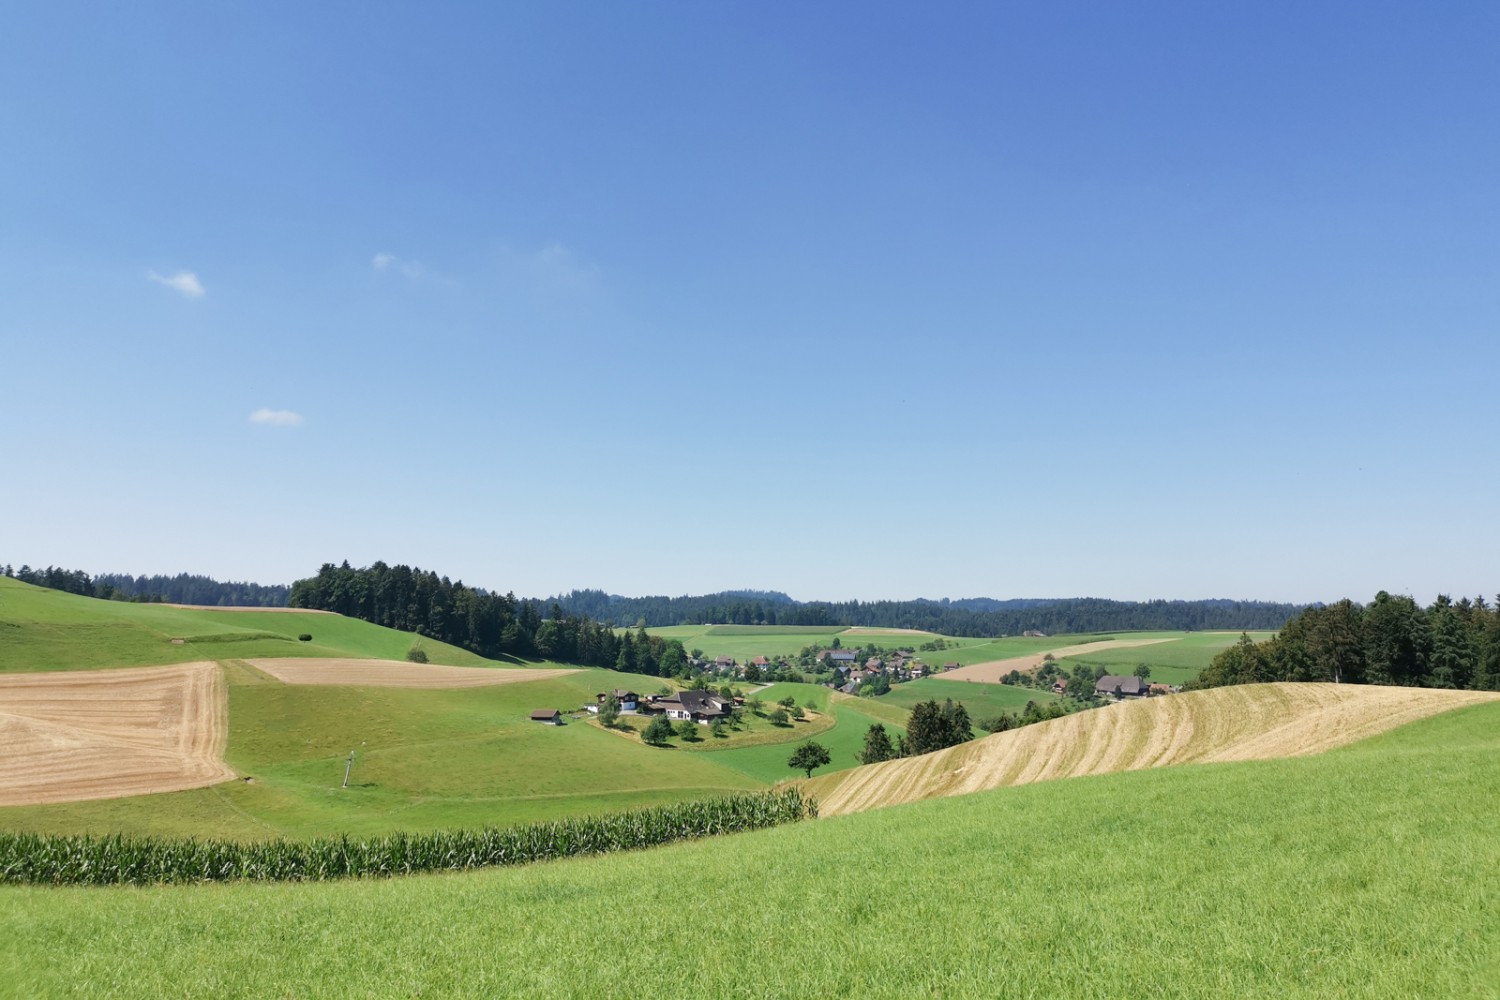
x=103 y=734
x=992 y=670
x=397 y=673
x=232 y=607
x=1251 y=722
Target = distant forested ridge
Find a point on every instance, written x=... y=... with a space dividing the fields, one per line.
x=184 y=588
x=969 y=617
x=1393 y=640
x=188 y=588
x=492 y=625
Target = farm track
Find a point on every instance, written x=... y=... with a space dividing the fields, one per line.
x=396 y=673
x=102 y=734
x=1250 y=722
x=991 y=671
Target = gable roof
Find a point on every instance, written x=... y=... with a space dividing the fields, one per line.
x=1111 y=684
x=545 y=713
x=705 y=702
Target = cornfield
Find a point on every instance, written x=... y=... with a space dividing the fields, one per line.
x=119 y=860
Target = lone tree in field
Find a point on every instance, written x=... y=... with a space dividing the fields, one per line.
x=609 y=712
x=658 y=732
x=416 y=655
x=877 y=746
x=780 y=718
x=687 y=730
x=808 y=757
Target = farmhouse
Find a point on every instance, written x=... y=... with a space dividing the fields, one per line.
x=547 y=716
x=951 y=666
x=1110 y=686
x=627 y=699
x=703 y=707
x=845 y=656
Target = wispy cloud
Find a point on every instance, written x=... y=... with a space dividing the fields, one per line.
x=276 y=418
x=184 y=282
x=390 y=262
x=553 y=269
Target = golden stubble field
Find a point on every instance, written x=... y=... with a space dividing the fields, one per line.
x=100 y=734
x=1249 y=722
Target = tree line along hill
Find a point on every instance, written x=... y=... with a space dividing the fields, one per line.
x=1392 y=640
x=965 y=617
x=969 y=617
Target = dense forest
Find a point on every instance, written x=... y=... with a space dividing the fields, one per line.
x=492 y=625
x=184 y=588
x=1392 y=640
x=970 y=617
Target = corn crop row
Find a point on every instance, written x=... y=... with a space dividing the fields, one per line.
x=116 y=860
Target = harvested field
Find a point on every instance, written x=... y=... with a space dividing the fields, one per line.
x=993 y=670
x=1249 y=722
x=397 y=673
x=103 y=734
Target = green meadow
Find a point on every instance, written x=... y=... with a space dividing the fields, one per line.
x=424 y=760
x=1368 y=872
x=1174 y=662
x=44 y=629
x=982 y=700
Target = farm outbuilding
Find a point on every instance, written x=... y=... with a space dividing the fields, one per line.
x=549 y=716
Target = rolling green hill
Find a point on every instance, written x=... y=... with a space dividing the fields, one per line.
x=44 y=629
x=1367 y=872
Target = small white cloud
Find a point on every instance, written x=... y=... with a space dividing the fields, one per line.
x=276 y=418
x=390 y=262
x=185 y=282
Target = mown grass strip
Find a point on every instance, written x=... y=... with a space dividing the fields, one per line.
x=118 y=860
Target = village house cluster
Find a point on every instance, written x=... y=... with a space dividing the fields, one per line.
x=702 y=707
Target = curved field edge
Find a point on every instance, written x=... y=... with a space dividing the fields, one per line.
x=1365 y=873
x=1248 y=722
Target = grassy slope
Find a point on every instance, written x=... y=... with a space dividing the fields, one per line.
x=1175 y=662
x=425 y=760
x=1369 y=872
x=44 y=629
x=981 y=700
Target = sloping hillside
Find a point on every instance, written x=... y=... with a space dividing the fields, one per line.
x=1365 y=874
x=43 y=629
x=1250 y=722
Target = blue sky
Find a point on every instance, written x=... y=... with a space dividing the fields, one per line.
x=847 y=300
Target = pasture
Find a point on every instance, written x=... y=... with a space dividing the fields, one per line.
x=981 y=700
x=424 y=760
x=1174 y=662
x=1365 y=873
x=44 y=629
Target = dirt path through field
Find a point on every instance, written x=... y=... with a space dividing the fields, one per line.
x=397 y=673
x=102 y=734
x=992 y=670
x=1250 y=722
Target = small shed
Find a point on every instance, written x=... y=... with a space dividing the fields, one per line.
x=549 y=716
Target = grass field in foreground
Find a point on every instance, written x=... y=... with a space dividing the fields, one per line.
x=43 y=629
x=425 y=759
x=1370 y=872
